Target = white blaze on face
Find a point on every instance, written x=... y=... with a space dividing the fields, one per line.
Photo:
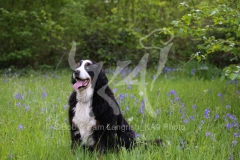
x=83 y=73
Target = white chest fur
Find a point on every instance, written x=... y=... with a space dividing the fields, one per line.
x=85 y=121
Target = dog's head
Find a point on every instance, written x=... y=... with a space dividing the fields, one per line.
x=88 y=74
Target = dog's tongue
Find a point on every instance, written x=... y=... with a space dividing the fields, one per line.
x=78 y=84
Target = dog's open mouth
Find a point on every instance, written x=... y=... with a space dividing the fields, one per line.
x=81 y=83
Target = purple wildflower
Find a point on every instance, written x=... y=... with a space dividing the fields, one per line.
x=121 y=97
x=137 y=135
x=206 y=113
x=27 y=107
x=183 y=144
x=193 y=71
x=207 y=134
x=20 y=126
x=216 y=117
x=129 y=87
x=132 y=96
x=18 y=104
x=19 y=96
x=185 y=121
x=228 y=126
x=220 y=95
x=52 y=127
x=177 y=99
x=127 y=108
x=44 y=94
x=114 y=90
x=228 y=106
x=157 y=111
x=172 y=92
x=232 y=117
x=194 y=106
x=235 y=135
x=142 y=106
x=65 y=107
x=192 y=117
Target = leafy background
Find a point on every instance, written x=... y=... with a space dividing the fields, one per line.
x=39 y=34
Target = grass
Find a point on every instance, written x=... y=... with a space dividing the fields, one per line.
x=196 y=118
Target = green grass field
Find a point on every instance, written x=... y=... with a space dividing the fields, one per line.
x=196 y=118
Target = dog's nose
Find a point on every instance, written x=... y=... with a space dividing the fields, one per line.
x=76 y=72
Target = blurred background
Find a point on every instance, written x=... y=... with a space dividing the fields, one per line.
x=39 y=34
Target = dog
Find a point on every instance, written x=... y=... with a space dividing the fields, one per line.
x=96 y=121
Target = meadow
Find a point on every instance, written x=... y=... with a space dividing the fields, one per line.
x=196 y=117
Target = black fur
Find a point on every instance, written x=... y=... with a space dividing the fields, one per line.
x=114 y=130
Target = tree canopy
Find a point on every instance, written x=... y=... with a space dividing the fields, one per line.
x=39 y=34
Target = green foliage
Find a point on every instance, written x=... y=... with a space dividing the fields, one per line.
x=25 y=33
x=40 y=33
x=215 y=26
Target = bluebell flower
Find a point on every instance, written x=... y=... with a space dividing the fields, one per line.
x=235 y=135
x=207 y=134
x=27 y=107
x=193 y=71
x=228 y=106
x=228 y=126
x=114 y=90
x=20 y=126
x=206 y=113
x=142 y=106
x=154 y=77
x=19 y=96
x=65 y=106
x=172 y=92
x=183 y=143
x=44 y=94
x=121 y=97
x=132 y=96
x=216 y=117
x=18 y=104
x=192 y=117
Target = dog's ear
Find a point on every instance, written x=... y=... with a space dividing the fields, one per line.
x=101 y=80
x=99 y=77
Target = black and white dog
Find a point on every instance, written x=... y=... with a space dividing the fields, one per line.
x=95 y=118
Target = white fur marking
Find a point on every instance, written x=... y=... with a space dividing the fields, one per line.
x=82 y=118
